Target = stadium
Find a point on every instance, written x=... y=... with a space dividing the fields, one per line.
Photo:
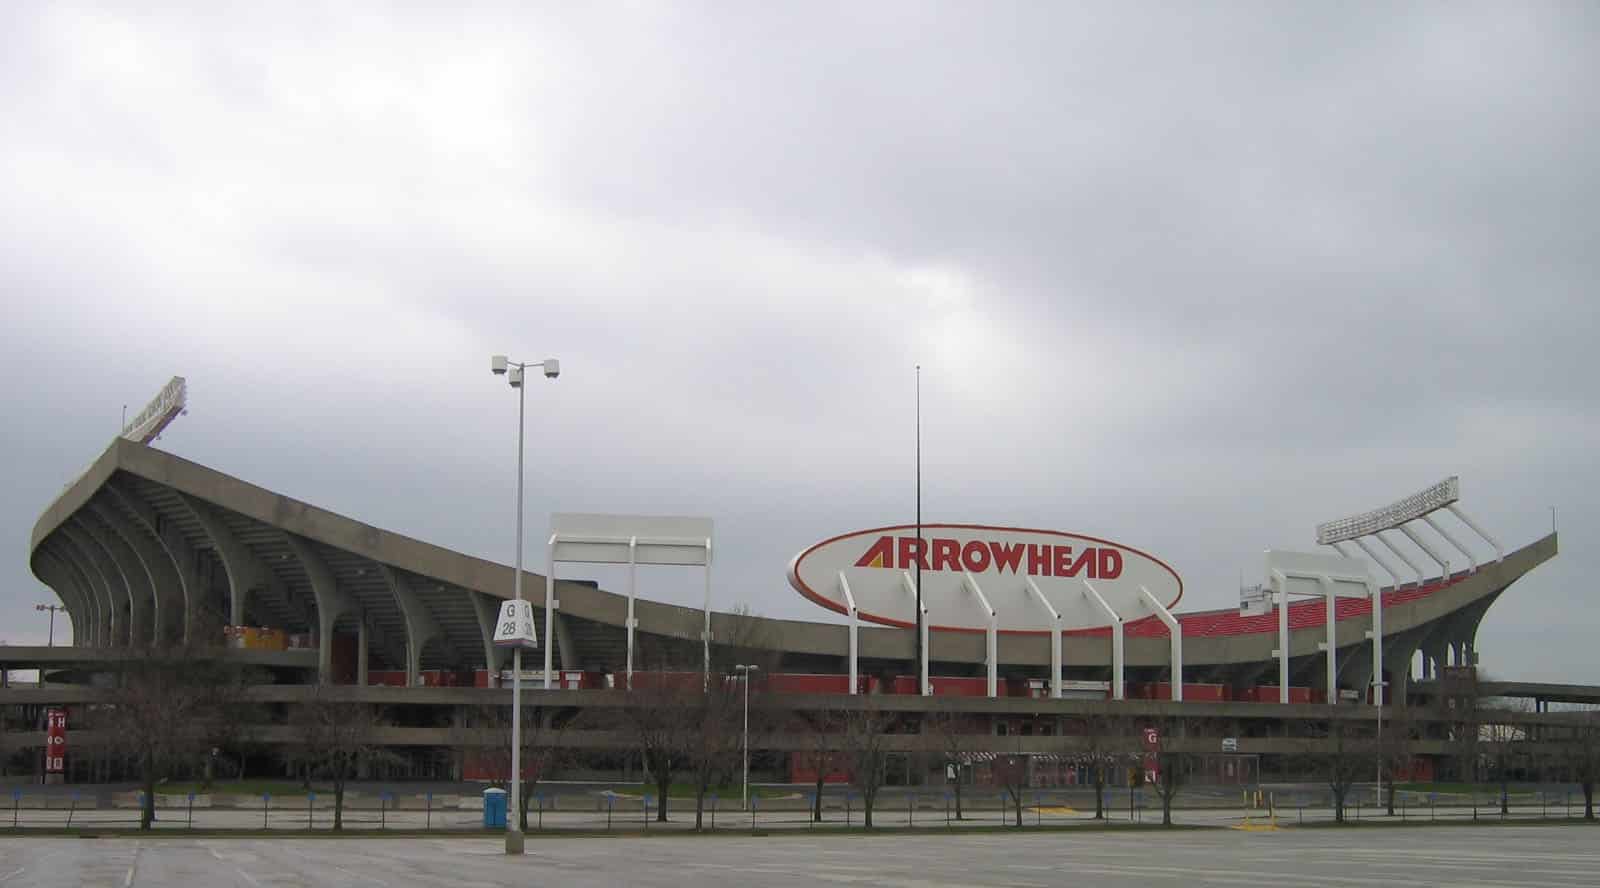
x=149 y=551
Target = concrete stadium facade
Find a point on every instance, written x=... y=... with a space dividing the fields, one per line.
x=146 y=548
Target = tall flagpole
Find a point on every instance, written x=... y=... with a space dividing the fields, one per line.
x=917 y=666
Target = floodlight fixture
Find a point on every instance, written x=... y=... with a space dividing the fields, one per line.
x=169 y=404
x=552 y=368
x=516 y=377
x=497 y=364
x=1423 y=502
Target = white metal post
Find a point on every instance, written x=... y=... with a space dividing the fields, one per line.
x=1055 y=637
x=1371 y=553
x=705 y=632
x=514 y=823
x=1400 y=555
x=1333 y=651
x=1427 y=548
x=550 y=613
x=1378 y=684
x=1499 y=553
x=1117 y=683
x=855 y=626
x=1377 y=649
x=1472 y=560
x=1175 y=640
x=927 y=682
x=911 y=589
x=633 y=584
x=1282 y=583
x=745 y=792
x=993 y=653
x=991 y=636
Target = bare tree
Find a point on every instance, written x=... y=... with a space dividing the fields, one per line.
x=866 y=733
x=1104 y=734
x=542 y=749
x=713 y=736
x=1343 y=755
x=1395 y=748
x=823 y=730
x=162 y=711
x=1459 y=708
x=335 y=738
x=1173 y=766
x=1010 y=772
x=1583 y=757
x=1503 y=741
x=686 y=714
x=659 y=716
x=952 y=735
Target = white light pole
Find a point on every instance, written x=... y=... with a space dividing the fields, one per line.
x=1378 y=685
x=746 y=670
x=500 y=365
x=52 y=608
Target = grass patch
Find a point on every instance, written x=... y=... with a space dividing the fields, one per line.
x=1452 y=788
x=686 y=791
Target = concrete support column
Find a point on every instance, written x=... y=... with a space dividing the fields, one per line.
x=113 y=595
x=92 y=630
x=50 y=570
x=332 y=603
x=487 y=609
x=565 y=646
x=236 y=560
x=178 y=552
x=166 y=585
x=143 y=612
x=419 y=622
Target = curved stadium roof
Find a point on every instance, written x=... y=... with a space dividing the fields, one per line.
x=146 y=547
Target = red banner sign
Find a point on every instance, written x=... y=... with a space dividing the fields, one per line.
x=55 y=740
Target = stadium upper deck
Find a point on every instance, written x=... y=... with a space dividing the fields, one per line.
x=149 y=548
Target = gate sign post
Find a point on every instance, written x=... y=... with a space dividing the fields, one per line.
x=633 y=540
x=515 y=626
x=55 y=752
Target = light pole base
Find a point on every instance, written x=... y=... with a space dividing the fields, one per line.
x=514 y=841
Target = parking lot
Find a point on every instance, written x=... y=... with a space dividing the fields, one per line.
x=1475 y=855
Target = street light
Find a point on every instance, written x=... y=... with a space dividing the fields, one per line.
x=745 y=671
x=500 y=365
x=52 y=608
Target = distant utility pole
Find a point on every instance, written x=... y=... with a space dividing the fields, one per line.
x=917 y=666
x=52 y=608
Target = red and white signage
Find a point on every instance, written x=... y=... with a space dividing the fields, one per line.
x=55 y=741
x=1012 y=568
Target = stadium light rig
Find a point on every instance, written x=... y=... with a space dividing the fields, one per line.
x=1423 y=502
x=1396 y=516
x=171 y=403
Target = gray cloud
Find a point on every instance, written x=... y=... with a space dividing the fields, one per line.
x=1194 y=281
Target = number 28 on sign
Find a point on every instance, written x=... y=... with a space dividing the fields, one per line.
x=514 y=628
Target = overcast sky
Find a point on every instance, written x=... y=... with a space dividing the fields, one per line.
x=1191 y=280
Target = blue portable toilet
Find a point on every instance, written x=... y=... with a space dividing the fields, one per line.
x=494 y=808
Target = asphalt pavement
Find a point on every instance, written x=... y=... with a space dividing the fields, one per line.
x=1483 y=856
